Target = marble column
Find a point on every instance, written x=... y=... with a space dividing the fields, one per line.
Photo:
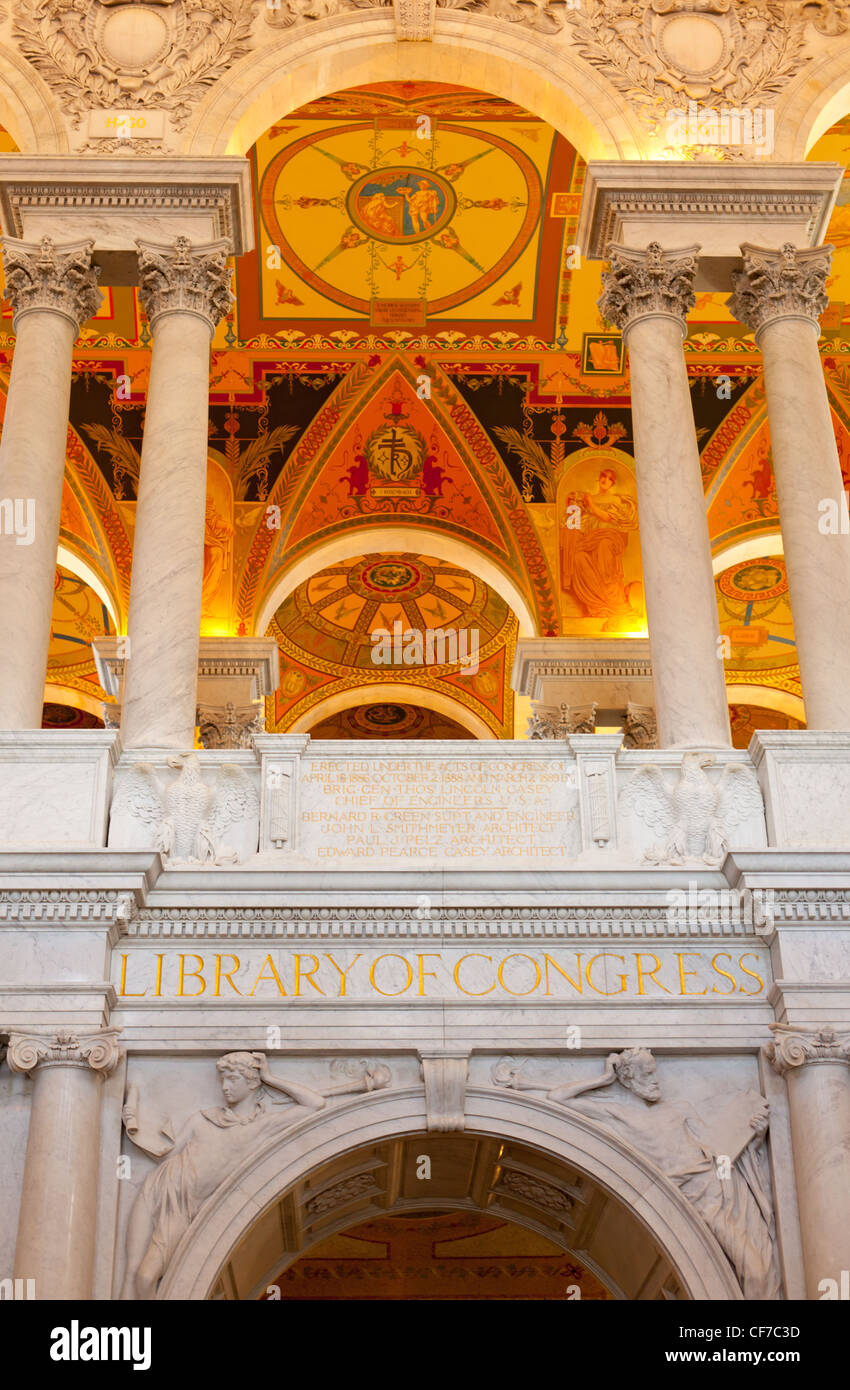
x=52 y=290
x=185 y=291
x=58 y=1216
x=780 y=295
x=816 y=1065
x=648 y=295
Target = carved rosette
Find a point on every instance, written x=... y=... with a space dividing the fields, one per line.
x=642 y=284
x=788 y=283
x=188 y=279
x=97 y=1049
x=797 y=1047
x=42 y=275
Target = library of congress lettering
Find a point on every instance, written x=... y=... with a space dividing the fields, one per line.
x=425 y=650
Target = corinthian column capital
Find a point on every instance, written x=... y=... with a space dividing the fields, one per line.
x=796 y=1047
x=97 y=1049
x=42 y=275
x=185 y=278
x=788 y=283
x=643 y=284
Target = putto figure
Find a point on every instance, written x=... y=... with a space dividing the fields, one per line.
x=716 y=1159
x=210 y=1145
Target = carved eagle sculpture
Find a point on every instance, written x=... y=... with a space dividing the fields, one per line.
x=188 y=817
x=696 y=814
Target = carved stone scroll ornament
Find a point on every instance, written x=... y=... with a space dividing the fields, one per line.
x=145 y=54
x=46 y=276
x=97 y=1049
x=695 y=816
x=653 y=281
x=787 y=283
x=794 y=1047
x=210 y=1145
x=713 y=1152
x=185 y=278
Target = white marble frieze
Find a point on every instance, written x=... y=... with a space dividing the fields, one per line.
x=55 y=788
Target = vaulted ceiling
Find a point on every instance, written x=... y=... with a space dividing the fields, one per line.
x=415 y=365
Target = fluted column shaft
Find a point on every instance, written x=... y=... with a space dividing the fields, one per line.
x=816 y=1065
x=185 y=291
x=53 y=289
x=58 y=1217
x=781 y=295
x=648 y=294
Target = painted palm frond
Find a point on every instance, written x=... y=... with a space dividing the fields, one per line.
x=124 y=455
x=254 y=458
x=532 y=456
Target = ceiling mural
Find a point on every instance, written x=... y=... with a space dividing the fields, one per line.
x=428 y=353
x=426 y=206
x=458 y=1255
x=388 y=719
x=404 y=619
x=756 y=625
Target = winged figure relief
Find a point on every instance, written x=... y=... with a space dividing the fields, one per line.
x=697 y=815
x=188 y=820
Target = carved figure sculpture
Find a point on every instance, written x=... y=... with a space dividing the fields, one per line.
x=695 y=815
x=714 y=1156
x=209 y=1146
x=189 y=818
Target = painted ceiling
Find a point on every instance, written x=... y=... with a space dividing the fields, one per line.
x=344 y=631
x=458 y=1255
x=415 y=343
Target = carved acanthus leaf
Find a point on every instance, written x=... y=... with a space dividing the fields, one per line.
x=654 y=281
x=780 y=284
x=195 y=279
x=46 y=276
x=64 y=41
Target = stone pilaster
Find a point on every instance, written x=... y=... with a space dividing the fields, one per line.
x=648 y=295
x=53 y=290
x=58 y=1217
x=185 y=291
x=814 y=1063
x=780 y=295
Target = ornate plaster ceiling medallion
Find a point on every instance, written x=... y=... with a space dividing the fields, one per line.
x=156 y=54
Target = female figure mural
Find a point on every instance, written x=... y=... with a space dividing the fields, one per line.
x=594 y=535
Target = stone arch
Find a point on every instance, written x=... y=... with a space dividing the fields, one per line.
x=421 y=538
x=347 y=51
x=32 y=116
x=819 y=97
x=670 y=1222
x=388 y=690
